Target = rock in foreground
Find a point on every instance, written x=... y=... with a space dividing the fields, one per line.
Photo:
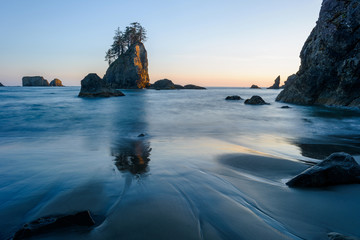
x=36 y=81
x=93 y=86
x=56 y=83
x=255 y=100
x=234 y=97
x=130 y=70
x=330 y=59
x=338 y=168
x=48 y=224
x=276 y=84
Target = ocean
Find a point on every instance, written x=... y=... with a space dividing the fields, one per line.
x=176 y=164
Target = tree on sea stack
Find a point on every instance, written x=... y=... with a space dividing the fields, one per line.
x=127 y=58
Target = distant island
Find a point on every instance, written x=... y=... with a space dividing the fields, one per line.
x=39 y=81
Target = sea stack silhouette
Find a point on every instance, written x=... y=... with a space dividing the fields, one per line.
x=129 y=70
x=329 y=73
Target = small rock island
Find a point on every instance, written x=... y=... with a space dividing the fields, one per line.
x=35 y=81
x=330 y=59
x=276 y=84
x=166 y=84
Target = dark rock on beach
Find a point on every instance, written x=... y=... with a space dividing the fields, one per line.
x=56 y=83
x=234 y=97
x=338 y=236
x=35 y=81
x=93 y=86
x=338 y=168
x=48 y=224
x=255 y=100
x=130 y=70
x=255 y=86
x=330 y=59
x=276 y=84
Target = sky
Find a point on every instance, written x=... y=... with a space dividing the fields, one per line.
x=230 y=43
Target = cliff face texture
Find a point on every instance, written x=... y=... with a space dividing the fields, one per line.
x=330 y=59
x=130 y=70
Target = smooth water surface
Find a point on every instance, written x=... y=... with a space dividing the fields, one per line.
x=205 y=168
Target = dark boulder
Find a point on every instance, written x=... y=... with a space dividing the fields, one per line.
x=48 y=224
x=338 y=236
x=255 y=86
x=285 y=107
x=276 y=84
x=130 y=70
x=165 y=84
x=35 y=81
x=234 y=97
x=330 y=59
x=192 y=86
x=338 y=168
x=93 y=86
x=255 y=100
x=56 y=83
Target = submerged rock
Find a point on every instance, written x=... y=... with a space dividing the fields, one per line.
x=56 y=83
x=48 y=224
x=93 y=86
x=338 y=236
x=330 y=59
x=234 y=97
x=192 y=86
x=35 y=81
x=276 y=84
x=338 y=168
x=130 y=70
x=255 y=86
x=255 y=100
x=285 y=107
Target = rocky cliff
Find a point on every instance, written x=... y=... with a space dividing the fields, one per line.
x=130 y=70
x=330 y=59
x=36 y=81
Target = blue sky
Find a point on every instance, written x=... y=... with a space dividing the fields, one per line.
x=211 y=43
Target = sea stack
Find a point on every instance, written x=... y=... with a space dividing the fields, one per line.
x=1 y=85
x=56 y=83
x=130 y=70
x=330 y=59
x=35 y=81
x=93 y=86
x=276 y=84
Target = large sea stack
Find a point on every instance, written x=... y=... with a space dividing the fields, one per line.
x=36 y=81
x=130 y=70
x=330 y=59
